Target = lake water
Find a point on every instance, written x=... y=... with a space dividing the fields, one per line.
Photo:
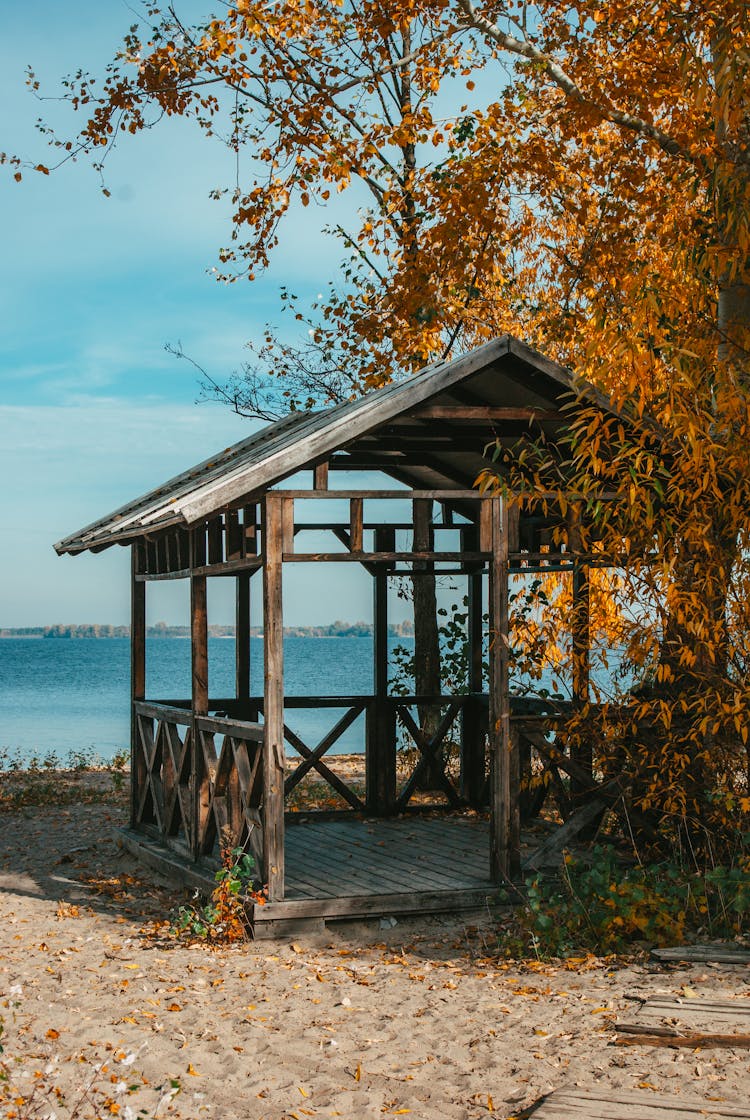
x=68 y=695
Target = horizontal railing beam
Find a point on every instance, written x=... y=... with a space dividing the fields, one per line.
x=165 y=712
x=234 y=728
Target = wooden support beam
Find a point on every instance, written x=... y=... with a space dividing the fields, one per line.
x=138 y=773
x=273 y=696
x=472 y=716
x=216 y=540
x=233 y=535
x=198 y=546
x=421 y=558
x=287 y=524
x=486 y=538
x=250 y=530
x=514 y=527
x=380 y=748
x=504 y=857
x=442 y=495
x=199 y=704
x=320 y=476
x=356 y=537
x=242 y=636
x=481 y=413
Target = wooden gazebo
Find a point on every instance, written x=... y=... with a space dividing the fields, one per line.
x=203 y=764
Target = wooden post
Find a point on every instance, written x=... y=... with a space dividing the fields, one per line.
x=320 y=476
x=504 y=856
x=427 y=677
x=380 y=747
x=137 y=677
x=582 y=752
x=199 y=663
x=355 y=524
x=472 y=731
x=273 y=690
x=242 y=638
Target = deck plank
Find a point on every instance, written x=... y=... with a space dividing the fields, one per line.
x=394 y=858
x=354 y=858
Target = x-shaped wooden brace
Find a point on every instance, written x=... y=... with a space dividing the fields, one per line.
x=312 y=758
x=177 y=783
x=233 y=762
x=428 y=748
x=151 y=748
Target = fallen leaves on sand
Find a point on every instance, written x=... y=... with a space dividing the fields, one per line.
x=67 y=910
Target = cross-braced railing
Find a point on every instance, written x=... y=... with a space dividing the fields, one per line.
x=229 y=769
x=197 y=779
x=312 y=758
x=162 y=769
x=433 y=755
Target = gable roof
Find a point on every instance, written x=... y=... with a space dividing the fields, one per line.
x=502 y=371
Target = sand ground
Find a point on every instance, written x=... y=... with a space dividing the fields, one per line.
x=424 y=1018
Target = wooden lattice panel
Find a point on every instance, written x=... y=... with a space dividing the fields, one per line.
x=230 y=780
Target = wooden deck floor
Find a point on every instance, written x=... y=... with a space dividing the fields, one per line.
x=341 y=859
x=360 y=868
x=338 y=869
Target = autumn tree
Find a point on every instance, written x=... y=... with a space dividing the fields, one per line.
x=636 y=122
x=314 y=99
x=594 y=199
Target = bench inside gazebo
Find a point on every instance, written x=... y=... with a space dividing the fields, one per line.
x=206 y=766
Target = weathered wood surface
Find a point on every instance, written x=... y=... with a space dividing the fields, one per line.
x=380 y=758
x=355 y=858
x=383 y=557
x=716 y=953
x=273 y=700
x=695 y=1011
x=382 y=904
x=242 y=636
x=504 y=854
x=690 y=1022
x=631 y=1035
x=603 y=1105
x=138 y=768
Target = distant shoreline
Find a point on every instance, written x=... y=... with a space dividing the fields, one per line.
x=161 y=630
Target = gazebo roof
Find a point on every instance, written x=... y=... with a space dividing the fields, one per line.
x=421 y=430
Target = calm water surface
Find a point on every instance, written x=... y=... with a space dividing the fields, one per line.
x=67 y=695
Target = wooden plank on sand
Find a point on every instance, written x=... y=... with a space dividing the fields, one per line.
x=719 y=953
x=602 y=1105
x=690 y=1022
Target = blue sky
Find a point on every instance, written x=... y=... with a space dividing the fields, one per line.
x=92 y=409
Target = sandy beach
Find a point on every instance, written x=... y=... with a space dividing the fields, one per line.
x=424 y=1018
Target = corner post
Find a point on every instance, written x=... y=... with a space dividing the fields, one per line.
x=472 y=730
x=274 y=518
x=137 y=677
x=199 y=705
x=504 y=854
x=380 y=756
x=242 y=638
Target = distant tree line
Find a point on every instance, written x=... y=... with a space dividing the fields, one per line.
x=336 y=629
